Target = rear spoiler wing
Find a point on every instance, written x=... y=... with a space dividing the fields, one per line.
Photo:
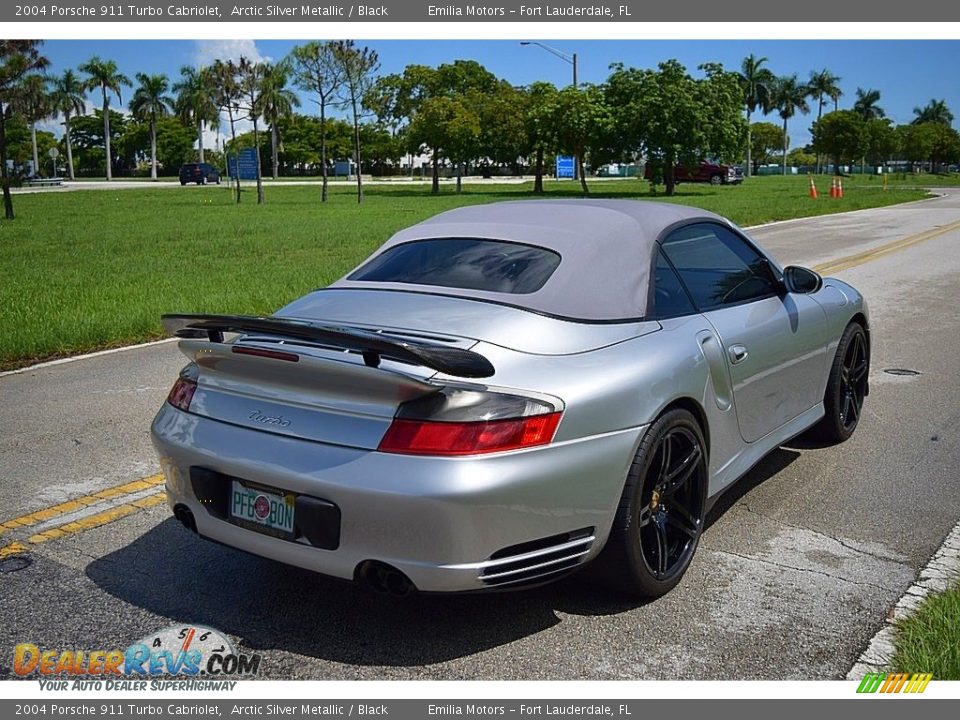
x=373 y=346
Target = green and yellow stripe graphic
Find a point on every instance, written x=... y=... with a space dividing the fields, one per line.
x=894 y=682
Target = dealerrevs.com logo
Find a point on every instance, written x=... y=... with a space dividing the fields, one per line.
x=201 y=657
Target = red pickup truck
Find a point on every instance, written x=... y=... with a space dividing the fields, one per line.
x=705 y=172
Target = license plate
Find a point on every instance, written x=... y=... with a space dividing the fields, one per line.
x=267 y=509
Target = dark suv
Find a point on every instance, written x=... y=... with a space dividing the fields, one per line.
x=199 y=173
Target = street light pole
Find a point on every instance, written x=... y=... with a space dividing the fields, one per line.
x=572 y=59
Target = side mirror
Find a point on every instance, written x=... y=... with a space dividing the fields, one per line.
x=801 y=280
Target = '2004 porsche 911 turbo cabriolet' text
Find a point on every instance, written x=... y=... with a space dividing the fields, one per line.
x=505 y=392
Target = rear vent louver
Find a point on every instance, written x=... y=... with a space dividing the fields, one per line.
x=539 y=560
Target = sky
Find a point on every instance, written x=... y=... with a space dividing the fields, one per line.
x=907 y=73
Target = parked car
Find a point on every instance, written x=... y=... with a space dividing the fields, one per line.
x=506 y=392
x=704 y=172
x=199 y=173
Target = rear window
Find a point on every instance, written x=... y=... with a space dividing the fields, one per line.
x=465 y=263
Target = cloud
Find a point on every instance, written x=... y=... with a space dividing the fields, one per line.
x=207 y=51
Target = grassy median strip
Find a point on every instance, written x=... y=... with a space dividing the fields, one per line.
x=88 y=270
x=928 y=641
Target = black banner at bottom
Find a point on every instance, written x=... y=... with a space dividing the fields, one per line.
x=874 y=707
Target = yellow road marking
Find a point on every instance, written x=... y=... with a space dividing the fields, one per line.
x=83 y=524
x=12 y=549
x=81 y=502
x=845 y=263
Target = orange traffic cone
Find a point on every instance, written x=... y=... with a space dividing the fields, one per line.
x=813 y=189
x=833 y=188
x=840 y=188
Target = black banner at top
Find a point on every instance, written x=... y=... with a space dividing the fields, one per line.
x=621 y=11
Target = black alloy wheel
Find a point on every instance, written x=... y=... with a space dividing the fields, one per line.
x=670 y=516
x=853 y=382
x=660 y=517
x=846 y=387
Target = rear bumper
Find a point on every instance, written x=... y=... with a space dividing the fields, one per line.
x=440 y=521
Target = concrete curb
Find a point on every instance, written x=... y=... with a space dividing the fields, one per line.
x=941 y=572
x=74 y=358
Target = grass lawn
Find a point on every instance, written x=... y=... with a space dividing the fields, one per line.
x=84 y=270
x=929 y=640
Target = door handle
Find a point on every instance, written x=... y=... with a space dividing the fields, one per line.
x=738 y=353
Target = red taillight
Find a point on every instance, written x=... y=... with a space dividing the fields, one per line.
x=425 y=437
x=182 y=393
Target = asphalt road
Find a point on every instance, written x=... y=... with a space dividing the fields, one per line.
x=800 y=564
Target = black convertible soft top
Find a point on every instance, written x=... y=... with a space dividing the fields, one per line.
x=607 y=250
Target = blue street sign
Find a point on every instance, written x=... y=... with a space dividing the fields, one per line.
x=564 y=167
x=248 y=164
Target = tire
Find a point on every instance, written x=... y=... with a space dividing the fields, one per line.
x=202 y=181
x=182 y=183
x=659 y=520
x=716 y=179
x=846 y=387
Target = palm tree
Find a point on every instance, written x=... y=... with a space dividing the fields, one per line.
x=277 y=101
x=195 y=102
x=823 y=84
x=227 y=94
x=935 y=111
x=866 y=104
x=103 y=74
x=789 y=97
x=67 y=99
x=18 y=59
x=149 y=103
x=32 y=100
x=757 y=83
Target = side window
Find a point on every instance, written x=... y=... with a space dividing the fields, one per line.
x=717 y=266
x=669 y=297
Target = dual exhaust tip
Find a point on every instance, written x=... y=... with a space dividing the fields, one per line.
x=383 y=579
x=380 y=577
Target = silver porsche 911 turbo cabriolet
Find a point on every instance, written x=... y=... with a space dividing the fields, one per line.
x=505 y=392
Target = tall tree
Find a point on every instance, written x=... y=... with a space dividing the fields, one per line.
x=68 y=99
x=316 y=70
x=450 y=127
x=227 y=95
x=105 y=75
x=195 y=103
x=935 y=111
x=18 y=59
x=278 y=102
x=789 y=98
x=150 y=102
x=765 y=138
x=252 y=78
x=32 y=101
x=840 y=135
x=674 y=119
x=540 y=97
x=823 y=84
x=581 y=121
x=757 y=83
x=358 y=65
x=866 y=104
